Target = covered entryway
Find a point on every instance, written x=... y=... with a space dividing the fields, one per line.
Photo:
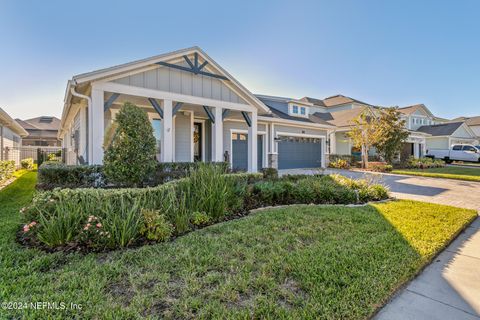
x=299 y=152
x=240 y=151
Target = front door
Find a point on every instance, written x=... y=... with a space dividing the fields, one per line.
x=197 y=142
x=240 y=151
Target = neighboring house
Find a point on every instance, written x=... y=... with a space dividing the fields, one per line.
x=42 y=131
x=472 y=122
x=199 y=112
x=444 y=135
x=11 y=134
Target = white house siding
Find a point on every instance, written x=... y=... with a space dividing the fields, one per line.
x=342 y=144
x=11 y=143
x=461 y=132
x=183 y=137
x=476 y=130
x=437 y=143
x=177 y=81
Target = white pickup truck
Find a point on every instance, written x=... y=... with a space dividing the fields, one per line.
x=459 y=152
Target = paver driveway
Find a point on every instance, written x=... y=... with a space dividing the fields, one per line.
x=449 y=288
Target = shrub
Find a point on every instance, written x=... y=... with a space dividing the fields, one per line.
x=270 y=173
x=7 y=168
x=130 y=156
x=422 y=163
x=155 y=227
x=58 y=175
x=339 y=164
x=93 y=234
x=200 y=218
x=380 y=167
x=27 y=163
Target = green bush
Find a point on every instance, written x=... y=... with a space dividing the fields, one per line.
x=380 y=167
x=130 y=155
x=58 y=175
x=7 y=168
x=27 y=163
x=270 y=173
x=200 y=218
x=123 y=225
x=156 y=227
x=422 y=163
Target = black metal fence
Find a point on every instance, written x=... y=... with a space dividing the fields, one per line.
x=38 y=154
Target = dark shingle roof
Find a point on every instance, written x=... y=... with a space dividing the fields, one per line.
x=343 y=118
x=444 y=129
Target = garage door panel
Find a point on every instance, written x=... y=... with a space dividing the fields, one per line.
x=298 y=152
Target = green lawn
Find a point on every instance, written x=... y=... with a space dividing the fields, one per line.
x=459 y=173
x=297 y=262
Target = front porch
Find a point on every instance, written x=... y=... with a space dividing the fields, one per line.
x=186 y=128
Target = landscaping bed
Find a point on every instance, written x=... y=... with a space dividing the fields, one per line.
x=104 y=219
x=304 y=261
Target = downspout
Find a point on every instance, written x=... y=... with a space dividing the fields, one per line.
x=89 y=104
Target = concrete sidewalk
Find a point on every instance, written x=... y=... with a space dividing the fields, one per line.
x=449 y=288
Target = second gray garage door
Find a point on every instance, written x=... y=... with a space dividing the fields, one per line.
x=298 y=152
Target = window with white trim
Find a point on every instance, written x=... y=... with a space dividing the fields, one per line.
x=296 y=110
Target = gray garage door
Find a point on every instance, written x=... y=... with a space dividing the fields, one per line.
x=240 y=151
x=297 y=152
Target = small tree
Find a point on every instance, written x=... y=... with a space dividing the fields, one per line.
x=392 y=133
x=364 y=135
x=129 y=147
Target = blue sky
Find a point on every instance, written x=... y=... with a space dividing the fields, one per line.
x=383 y=52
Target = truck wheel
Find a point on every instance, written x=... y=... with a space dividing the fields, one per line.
x=448 y=161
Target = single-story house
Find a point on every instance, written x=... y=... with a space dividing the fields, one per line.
x=11 y=134
x=42 y=131
x=199 y=112
x=444 y=135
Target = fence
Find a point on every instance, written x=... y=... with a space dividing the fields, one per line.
x=38 y=154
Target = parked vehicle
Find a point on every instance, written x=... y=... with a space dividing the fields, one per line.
x=458 y=152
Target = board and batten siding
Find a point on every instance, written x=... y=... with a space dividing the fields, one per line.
x=182 y=82
x=183 y=137
x=227 y=130
x=342 y=144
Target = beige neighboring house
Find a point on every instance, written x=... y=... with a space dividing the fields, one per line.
x=444 y=135
x=472 y=122
x=42 y=131
x=11 y=134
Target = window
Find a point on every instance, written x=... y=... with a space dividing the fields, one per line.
x=469 y=148
x=295 y=109
x=302 y=111
x=157 y=132
x=457 y=147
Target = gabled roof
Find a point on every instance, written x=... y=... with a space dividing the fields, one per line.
x=6 y=120
x=317 y=102
x=138 y=64
x=341 y=99
x=444 y=129
x=411 y=109
x=275 y=103
x=40 y=123
x=343 y=118
x=471 y=121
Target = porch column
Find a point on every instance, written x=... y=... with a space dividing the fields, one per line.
x=252 y=142
x=333 y=143
x=167 y=132
x=416 y=150
x=96 y=127
x=217 y=135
